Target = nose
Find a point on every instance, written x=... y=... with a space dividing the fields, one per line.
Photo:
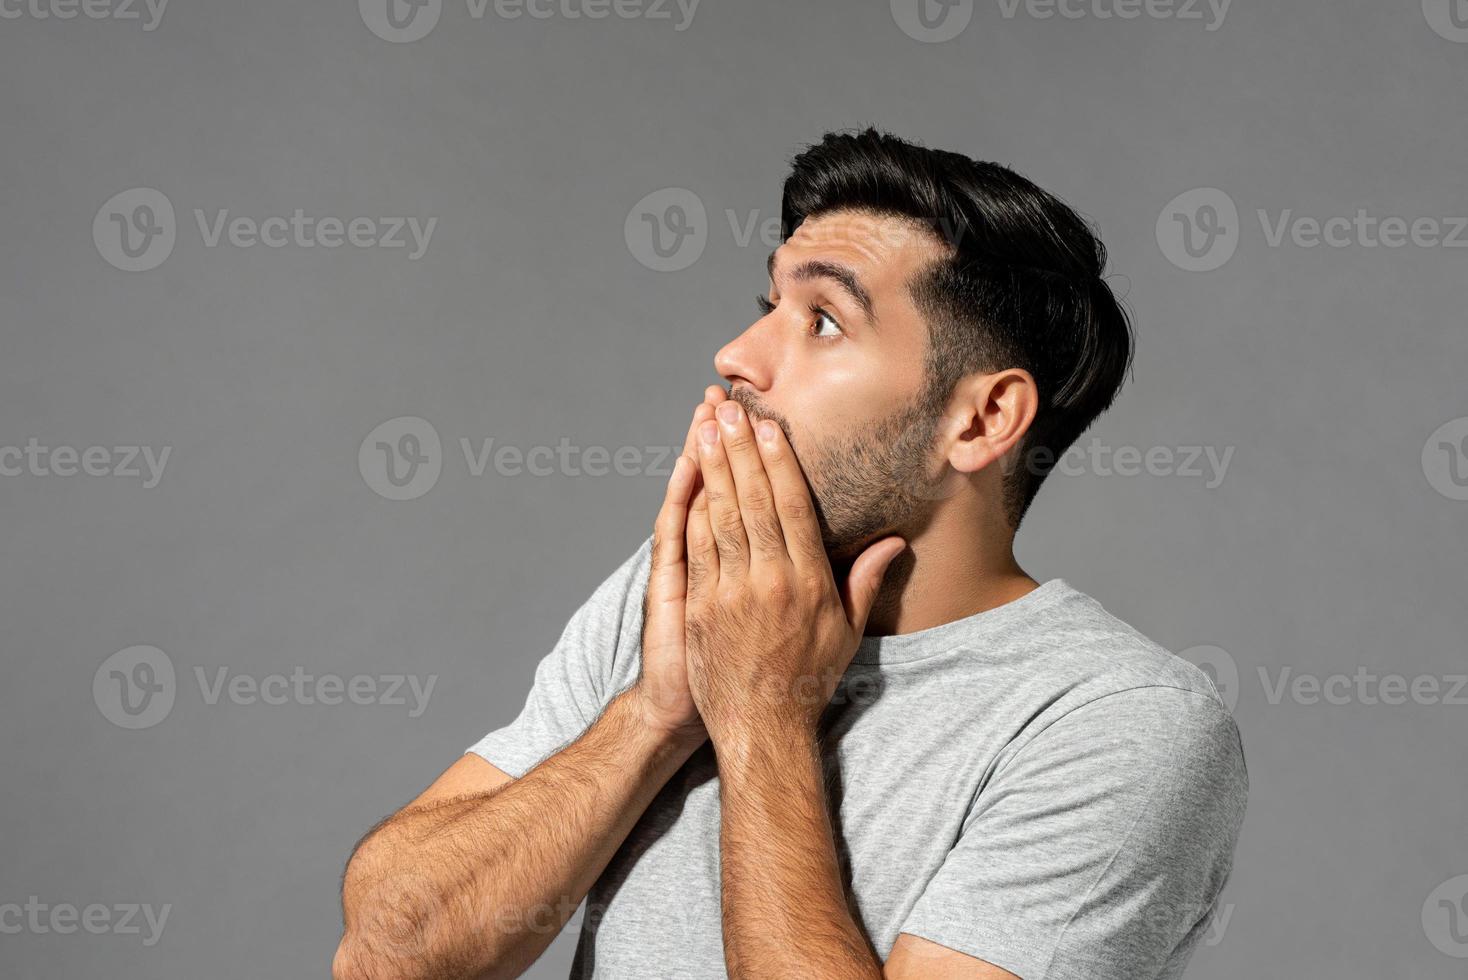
x=746 y=359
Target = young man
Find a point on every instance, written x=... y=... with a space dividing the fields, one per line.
x=822 y=725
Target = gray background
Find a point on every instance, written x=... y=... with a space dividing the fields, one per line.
x=1325 y=549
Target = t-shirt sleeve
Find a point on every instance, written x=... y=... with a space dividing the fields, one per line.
x=1098 y=851
x=599 y=648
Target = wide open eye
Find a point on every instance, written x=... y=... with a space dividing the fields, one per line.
x=822 y=322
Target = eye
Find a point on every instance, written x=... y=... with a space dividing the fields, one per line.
x=823 y=325
x=822 y=321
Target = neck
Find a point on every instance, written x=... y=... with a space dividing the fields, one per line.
x=955 y=567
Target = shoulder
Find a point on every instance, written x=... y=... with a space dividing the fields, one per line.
x=1092 y=654
x=1093 y=675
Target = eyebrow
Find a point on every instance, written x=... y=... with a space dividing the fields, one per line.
x=839 y=274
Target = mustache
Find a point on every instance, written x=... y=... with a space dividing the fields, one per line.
x=756 y=409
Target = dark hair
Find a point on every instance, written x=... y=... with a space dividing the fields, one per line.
x=1021 y=287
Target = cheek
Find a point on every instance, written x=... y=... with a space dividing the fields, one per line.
x=848 y=395
x=832 y=393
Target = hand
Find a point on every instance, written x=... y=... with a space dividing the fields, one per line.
x=770 y=633
x=662 y=687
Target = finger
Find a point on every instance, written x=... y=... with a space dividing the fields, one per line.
x=756 y=503
x=702 y=413
x=669 y=582
x=792 y=498
x=723 y=501
x=701 y=553
x=712 y=395
x=864 y=582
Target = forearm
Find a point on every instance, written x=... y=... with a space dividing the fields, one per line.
x=785 y=908
x=477 y=887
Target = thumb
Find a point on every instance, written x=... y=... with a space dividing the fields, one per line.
x=865 y=580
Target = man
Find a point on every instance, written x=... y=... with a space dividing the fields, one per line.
x=822 y=725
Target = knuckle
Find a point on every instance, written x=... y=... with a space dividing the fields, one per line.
x=758 y=498
x=812 y=582
x=796 y=506
x=781 y=590
x=768 y=538
x=739 y=444
x=729 y=525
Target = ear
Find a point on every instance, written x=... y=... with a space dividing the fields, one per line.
x=997 y=410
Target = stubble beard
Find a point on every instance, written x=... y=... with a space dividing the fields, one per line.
x=870 y=481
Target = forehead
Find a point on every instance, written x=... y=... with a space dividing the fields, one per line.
x=883 y=250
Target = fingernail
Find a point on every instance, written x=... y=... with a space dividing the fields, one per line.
x=709 y=433
x=728 y=412
x=766 y=430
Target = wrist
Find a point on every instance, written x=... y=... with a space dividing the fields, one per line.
x=772 y=742
x=640 y=725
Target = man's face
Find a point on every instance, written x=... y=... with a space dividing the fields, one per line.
x=836 y=359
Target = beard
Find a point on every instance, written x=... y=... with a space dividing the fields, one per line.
x=868 y=482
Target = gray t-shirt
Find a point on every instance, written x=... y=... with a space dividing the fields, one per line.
x=1037 y=785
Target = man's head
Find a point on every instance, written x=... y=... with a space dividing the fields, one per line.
x=934 y=325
